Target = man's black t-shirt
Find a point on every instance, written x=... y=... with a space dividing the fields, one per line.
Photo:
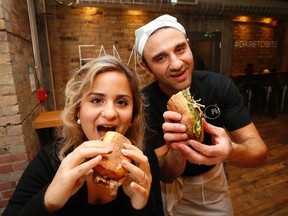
x=223 y=103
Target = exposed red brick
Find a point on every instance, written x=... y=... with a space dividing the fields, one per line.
x=3 y=203
x=20 y=166
x=5 y=159
x=7 y=185
x=3 y=36
x=261 y=56
x=7 y=194
x=6 y=168
x=19 y=157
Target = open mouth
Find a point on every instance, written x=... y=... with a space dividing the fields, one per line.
x=102 y=129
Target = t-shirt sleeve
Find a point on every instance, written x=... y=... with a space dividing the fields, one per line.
x=236 y=114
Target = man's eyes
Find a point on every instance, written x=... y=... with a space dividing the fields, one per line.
x=180 y=50
x=160 y=59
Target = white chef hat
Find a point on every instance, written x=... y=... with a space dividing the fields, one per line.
x=142 y=34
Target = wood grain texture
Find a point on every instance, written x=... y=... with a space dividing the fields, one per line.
x=264 y=190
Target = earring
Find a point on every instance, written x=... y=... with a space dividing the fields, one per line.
x=78 y=121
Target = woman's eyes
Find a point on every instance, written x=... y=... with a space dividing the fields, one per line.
x=96 y=100
x=121 y=102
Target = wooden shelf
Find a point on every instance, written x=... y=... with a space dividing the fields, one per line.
x=49 y=119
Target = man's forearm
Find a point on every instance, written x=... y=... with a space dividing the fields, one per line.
x=248 y=148
x=248 y=154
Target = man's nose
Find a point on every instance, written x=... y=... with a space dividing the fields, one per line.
x=175 y=63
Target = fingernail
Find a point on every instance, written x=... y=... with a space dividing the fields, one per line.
x=180 y=147
x=124 y=151
x=185 y=136
x=178 y=116
x=109 y=148
x=124 y=162
x=182 y=127
x=99 y=157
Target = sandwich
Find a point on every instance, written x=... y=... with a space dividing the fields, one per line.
x=109 y=172
x=191 y=112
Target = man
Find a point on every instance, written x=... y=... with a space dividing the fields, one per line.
x=194 y=181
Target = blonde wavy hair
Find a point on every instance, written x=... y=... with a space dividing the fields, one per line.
x=71 y=134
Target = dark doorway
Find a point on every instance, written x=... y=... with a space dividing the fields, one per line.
x=206 y=48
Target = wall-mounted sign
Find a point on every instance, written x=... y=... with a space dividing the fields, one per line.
x=255 y=44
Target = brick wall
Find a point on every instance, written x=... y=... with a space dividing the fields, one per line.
x=70 y=27
x=104 y=28
x=259 y=44
x=18 y=105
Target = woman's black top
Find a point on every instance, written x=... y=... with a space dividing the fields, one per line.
x=28 y=198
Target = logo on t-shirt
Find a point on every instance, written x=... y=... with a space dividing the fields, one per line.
x=212 y=111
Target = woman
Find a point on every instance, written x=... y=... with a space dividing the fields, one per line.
x=103 y=95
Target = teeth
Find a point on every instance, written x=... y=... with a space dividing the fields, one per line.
x=106 y=127
x=102 y=129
